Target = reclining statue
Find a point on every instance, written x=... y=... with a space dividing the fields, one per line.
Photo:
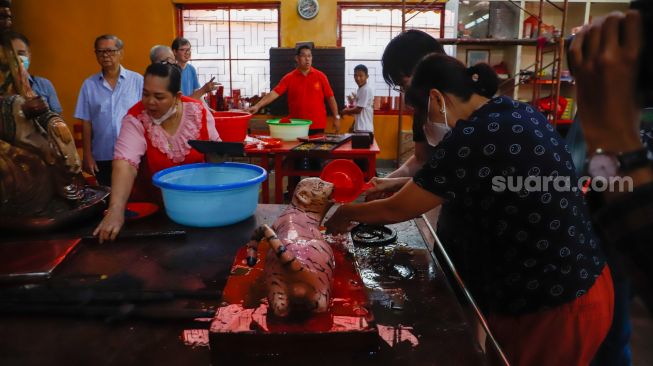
x=300 y=263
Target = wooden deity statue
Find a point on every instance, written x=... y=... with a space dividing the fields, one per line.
x=41 y=184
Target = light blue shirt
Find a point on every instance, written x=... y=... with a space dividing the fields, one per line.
x=105 y=108
x=43 y=87
x=189 y=82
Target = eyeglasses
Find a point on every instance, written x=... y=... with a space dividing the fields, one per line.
x=107 y=51
x=184 y=50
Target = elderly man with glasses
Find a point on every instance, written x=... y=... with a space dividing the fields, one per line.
x=103 y=101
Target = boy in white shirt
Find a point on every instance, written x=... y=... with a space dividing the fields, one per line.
x=363 y=109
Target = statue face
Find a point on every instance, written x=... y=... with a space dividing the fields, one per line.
x=313 y=194
x=5 y=18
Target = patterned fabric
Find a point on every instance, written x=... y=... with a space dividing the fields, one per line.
x=131 y=144
x=104 y=108
x=533 y=248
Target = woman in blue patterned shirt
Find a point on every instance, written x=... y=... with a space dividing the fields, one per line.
x=512 y=214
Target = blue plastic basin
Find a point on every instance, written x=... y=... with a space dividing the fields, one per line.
x=210 y=195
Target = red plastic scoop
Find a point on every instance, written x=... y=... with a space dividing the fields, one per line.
x=347 y=179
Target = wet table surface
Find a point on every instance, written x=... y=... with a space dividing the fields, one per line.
x=412 y=301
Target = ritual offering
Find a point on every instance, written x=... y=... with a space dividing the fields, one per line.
x=290 y=288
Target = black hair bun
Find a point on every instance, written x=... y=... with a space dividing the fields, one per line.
x=485 y=79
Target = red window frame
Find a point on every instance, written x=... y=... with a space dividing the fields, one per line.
x=391 y=5
x=276 y=5
x=386 y=6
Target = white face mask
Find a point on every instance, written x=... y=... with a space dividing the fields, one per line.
x=166 y=115
x=435 y=131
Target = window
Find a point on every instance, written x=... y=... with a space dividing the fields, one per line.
x=231 y=42
x=365 y=30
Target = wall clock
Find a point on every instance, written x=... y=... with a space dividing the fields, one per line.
x=308 y=9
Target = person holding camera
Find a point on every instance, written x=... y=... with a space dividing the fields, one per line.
x=609 y=61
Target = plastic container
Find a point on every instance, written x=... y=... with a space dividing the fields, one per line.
x=347 y=178
x=289 y=131
x=232 y=126
x=210 y=195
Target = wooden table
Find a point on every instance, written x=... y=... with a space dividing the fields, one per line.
x=412 y=298
x=284 y=167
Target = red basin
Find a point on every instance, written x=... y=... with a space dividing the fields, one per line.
x=232 y=126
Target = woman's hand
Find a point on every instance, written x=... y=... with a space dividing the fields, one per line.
x=384 y=187
x=604 y=58
x=110 y=225
x=339 y=222
x=253 y=109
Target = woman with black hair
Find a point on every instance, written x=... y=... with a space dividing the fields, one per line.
x=154 y=136
x=531 y=254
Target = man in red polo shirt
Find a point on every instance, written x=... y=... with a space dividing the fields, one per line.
x=307 y=88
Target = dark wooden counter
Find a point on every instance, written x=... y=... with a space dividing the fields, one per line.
x=408 y=289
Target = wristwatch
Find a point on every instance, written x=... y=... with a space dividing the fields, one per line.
x=604 y=164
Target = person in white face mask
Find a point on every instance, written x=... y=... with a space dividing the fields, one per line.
x=41 y=86
x=154 y=136
x=528 y=255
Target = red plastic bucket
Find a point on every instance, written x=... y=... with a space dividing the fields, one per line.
x=347 y=178
x=232 y=126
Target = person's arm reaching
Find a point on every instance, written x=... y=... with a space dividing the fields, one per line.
x=408 y=203
x=122 y=180
x=384 y=187
x=210 y=86
x=406 y=170
x=414 y=163
x=267 y=99
x=352 y=110
x=604 y=58
x=334 y=110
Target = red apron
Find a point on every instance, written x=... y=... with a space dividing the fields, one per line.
x=154 y=161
